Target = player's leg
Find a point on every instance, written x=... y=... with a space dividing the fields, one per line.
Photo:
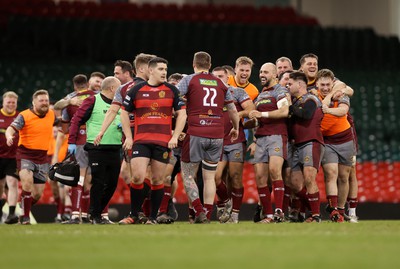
x=163 y=216
x=12 y=199
x=157 y=186
x=275 y=173
x=26 y=177
x=221 y=188
x=236 y=176
x=331 y=171
x=314 y=151
x=261 y=169
x=352 y=198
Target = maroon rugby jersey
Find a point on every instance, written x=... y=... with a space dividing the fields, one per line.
x=152 y=107
x=206 y=96
x=70 y=111
x=5 y=121
x=306 y=130
x=267 y=101
x=120 y=95
x=239 y=96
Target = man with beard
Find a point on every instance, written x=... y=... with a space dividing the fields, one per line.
x=34 y=125
x=242 y=75
x=271 y=141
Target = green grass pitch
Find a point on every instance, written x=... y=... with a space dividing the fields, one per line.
x=368 y=244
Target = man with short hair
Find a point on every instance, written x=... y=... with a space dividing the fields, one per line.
x=233 y=155
x=153 y=103
x=80 y=194
x=8 y=161
x=242 y=75
x=123 y=71
x=283 y=64
x=104 y=159
x=339 y=146
x=206 y=97
x=305 y=125
x=34 y=125
x=271 y=138
x=140 y=64
x=309 y=66
x=94 y=84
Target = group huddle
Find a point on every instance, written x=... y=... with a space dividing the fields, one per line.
x=146 y=127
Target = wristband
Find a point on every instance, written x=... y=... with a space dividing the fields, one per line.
x=264 y=114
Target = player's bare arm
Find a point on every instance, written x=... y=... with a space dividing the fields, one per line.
x=180 y=124
x=234 y=117
x=339 y=111
x=63 y=103
x=127 y=130
x=247 y=107
x=10 y=132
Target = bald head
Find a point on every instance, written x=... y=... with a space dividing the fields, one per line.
x=110 y=85
x=268 y=74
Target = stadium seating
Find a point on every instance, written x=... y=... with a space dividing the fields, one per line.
x=156 y=11
x=43 y=45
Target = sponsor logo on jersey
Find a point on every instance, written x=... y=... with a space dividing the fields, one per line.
x=264 y=101
x=208 y=82
x=205 y=122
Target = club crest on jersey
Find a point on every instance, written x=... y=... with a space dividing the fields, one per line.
x=306 y=159
x=154 y=106
x=161 y=94
x=165 y=155
x=277 y=149
x=208 y=82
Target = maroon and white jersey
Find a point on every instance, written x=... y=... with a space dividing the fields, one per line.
x=68 y=112
x=121 y=93
x=5 y=121
x=206 y=96
x=305 y=122
x=267 y=101
x=239 y=96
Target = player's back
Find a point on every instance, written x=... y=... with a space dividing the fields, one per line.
x=205 y=96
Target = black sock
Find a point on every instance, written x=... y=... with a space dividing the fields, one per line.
x=137 y=198
x=11 y=210
x=156 y=198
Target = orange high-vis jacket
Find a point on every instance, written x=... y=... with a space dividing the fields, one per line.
x=37 y=132
x=331 y=124
x=250 y=89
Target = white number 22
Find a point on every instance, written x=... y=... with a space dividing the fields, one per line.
x=212 y=93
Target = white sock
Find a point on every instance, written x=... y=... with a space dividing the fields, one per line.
x=352 y=211
x=235 y=216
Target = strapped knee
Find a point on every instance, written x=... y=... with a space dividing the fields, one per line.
x=209 y=166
